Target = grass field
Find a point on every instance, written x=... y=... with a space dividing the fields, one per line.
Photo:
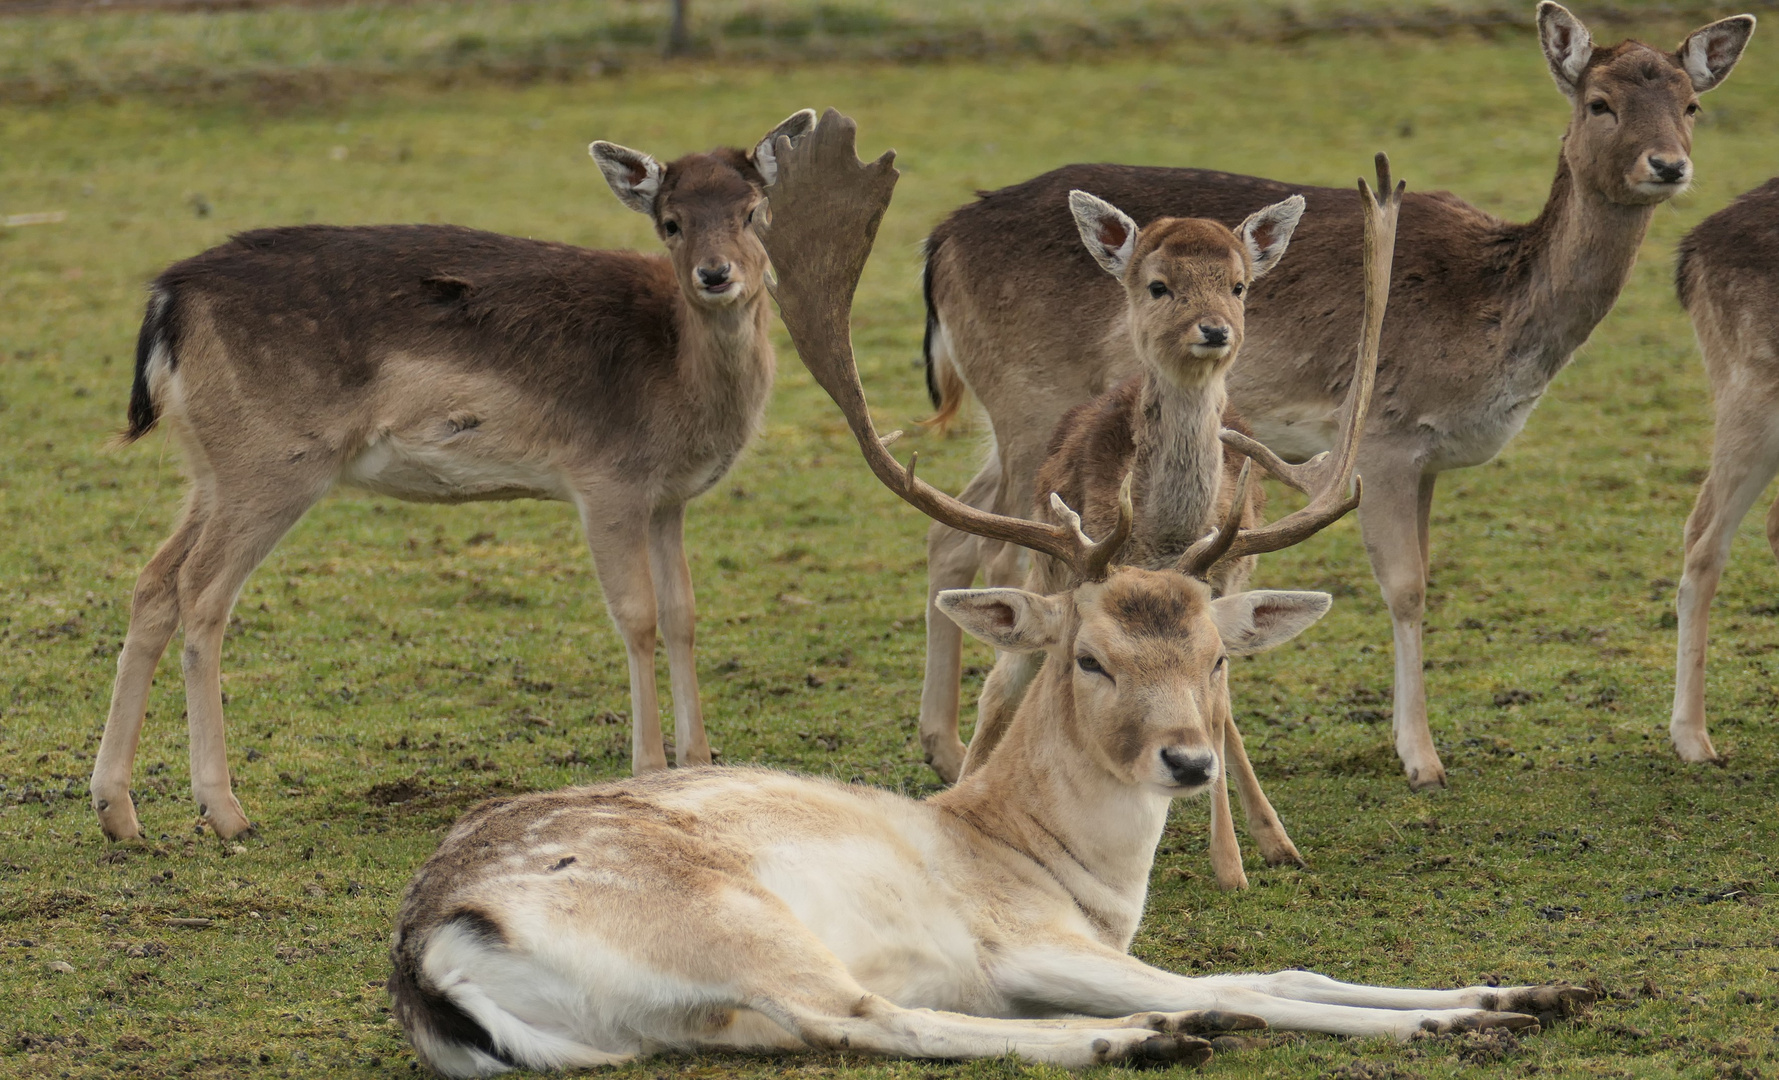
x=391 y=663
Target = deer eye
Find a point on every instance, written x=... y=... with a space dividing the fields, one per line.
x=1240 y=288
x=671 y=228
x=1693 y=109
x=1599 y=108
x=1222 y=662
x=1157 y=289
x=1089 y=665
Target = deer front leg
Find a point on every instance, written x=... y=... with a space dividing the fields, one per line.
x=676 y=612
x=1226 y=852
x=1389 y=519
x=1263 y=824
x=617 y=534
x=1082 y=976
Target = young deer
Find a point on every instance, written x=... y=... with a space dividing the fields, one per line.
x=440 y=364
x=744 y=908
x=1487 y=312
x=1728 y=280
x=1183 y=279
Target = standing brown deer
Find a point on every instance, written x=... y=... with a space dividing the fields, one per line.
x=1488 y=312
x=1159 y=432
x=440 y=364
x=752 y=909
x=1728 y=279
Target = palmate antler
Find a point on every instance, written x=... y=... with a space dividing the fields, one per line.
x=825 y=207
x=1326 y=477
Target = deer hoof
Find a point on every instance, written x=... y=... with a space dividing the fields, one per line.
x=1207 y=1021
x=1554 y=1000
x=1163 y=1050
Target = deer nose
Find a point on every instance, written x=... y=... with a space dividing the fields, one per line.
x=1214 y=335
x=710 y=278
x=1189 y=768
x=1668 y=172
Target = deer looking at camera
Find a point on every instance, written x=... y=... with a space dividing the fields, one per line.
x=1486 y=313
x=1728 y=279
x=751 y=909
x=441 y=364
x=1184 y=280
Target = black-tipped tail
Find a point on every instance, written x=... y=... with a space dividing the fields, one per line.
x=934 y=394
x=429 y=1015
x=158 y=331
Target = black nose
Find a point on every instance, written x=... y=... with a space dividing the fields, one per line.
x=1214 y=335
x=710 y=279
x=1190 y=768
x=1669 y=172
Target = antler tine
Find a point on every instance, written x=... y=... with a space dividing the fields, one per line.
x=826 y=206
x=1325 y=478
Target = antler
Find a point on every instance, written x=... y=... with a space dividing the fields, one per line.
x=826 y=205
x=1325 y=477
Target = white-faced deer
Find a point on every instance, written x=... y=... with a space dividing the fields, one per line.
x=1728 y=279
x=440 y=364
x=745 y=908
x=1487 y=312
x=1183 y=280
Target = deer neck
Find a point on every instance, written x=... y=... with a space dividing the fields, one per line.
x=1571 y=263
x=726 y=349
x=1044 y=795
x=1178 y=464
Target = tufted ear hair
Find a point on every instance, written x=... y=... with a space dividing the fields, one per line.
x=765 y=156
x=1110 y=234
x=1710 y=52
x=1253 y=622
x=1009 y=619
x=635 y=177
x=1567 y=46
x=1266 y=232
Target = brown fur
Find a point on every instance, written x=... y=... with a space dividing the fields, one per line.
x=442 y=364
x=1727 y=275
x=1484 y=313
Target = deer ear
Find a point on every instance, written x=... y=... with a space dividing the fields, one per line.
x=1567 y=46
x=765 y=157
x=634 y=176
x=1266 y=232
x=1010 y=619
x=1253 y=622
x=1109 y=234
x=1710 y=52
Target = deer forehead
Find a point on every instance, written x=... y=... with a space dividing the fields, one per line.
x=1635 y=68
x=719 y=183
x=1150 y=618
x=1190 y=250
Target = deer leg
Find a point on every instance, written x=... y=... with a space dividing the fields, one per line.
x=618 y=535
x=952 y=561
x=1002 y=692
x=1744 y=457
x=676 y=612
x=237 y=536
x=154 y=615
x=1263 y=824
x=1389 y=521
x=1226 y=851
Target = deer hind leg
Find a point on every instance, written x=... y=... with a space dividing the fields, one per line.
x=618 y=534
x=953 y=558
x=1263 y=824
x=1744 y=457
x=154 y=616
x=1390 y=523
x=676 y=612
x=246 y=520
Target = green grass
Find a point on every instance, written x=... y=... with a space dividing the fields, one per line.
x=464 y=651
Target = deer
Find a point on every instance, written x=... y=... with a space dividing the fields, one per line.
x=1184 y=279
x=1727 y=276
x=440 y=364
x=1489 y=311
x=752 y=909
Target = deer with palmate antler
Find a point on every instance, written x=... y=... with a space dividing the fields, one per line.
x=1486 y=313
x=745 y=908
x=1184 y=279
x=440 y=364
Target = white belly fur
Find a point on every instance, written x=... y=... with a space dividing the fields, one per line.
x=454 y=468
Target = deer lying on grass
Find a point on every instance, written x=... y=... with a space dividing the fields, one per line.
x=1487 y=312
x=1183 y=280
x=1728 y=279
x=440 y=364
x=746 y=908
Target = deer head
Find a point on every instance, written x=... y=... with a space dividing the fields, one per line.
x=1631 y=129
x=1185 y=279
x=704 y=207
